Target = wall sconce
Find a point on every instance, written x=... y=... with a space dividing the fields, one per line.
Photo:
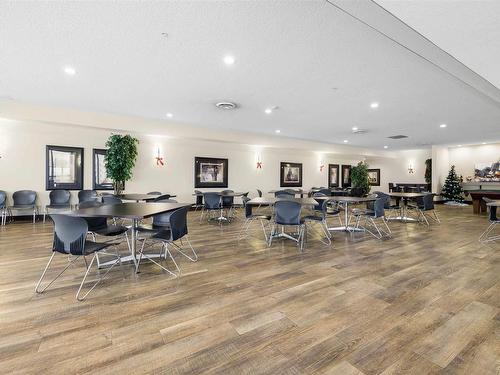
x=321 y=165
x=159 y=159
x=411 y=170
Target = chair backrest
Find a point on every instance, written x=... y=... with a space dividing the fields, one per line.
x=109 y=199
x=3 y=198
x=428 y=202
x=162 y=198
x=227 y=201
x=162 y=220
x=356 y=192
x=319 y=206
x=287 y=212
x=199 y=197
x=284 y=194
x=69 y=234
x=291 y=191
x=59 y=197
x=87 y=195
x=259 y=192
x=391 y=187
x=387 y=202
x=94 y=223
x=154 y=193
x=378 y=207
x=245 y=194
x=325 y=191
x=178 y=223
x=24 y=198
x=212 y=200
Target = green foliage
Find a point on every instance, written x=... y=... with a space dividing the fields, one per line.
x=359 y=178
x=428 y=171
x=452 y=190
x=120 y=159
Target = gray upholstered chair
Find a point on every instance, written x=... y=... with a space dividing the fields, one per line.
x=319 y=217
x=284 y=194
x=372 y=217
x=24 y=200
x=70 y=235
x=211 y=204
x=87 y=195
x=177 y=230
x=287 y=213
x=58 y=200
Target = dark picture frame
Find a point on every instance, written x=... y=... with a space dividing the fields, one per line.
x=63 y=168
x=98 y=183
x=346 y=176
x=290 y=174
x=374 y=177
x=333 y=173
x=208 y=174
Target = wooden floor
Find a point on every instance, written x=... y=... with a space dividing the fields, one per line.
x=426 y=301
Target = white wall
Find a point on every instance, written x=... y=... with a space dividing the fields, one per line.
x=396 y=169
x=22 y=162
x=464 y=158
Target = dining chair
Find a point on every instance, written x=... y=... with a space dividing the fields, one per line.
x=493 y=220
x=319 y=217
x=58 y=200
x=374 y=216
x=287 y=213
x=251 y=218
x=211 y=204
x=284 y=194
x=70 y=235
x=24 y=200
x=3 y=207
x=87 y=195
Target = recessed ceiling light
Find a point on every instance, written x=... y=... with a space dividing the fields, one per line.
x=386 y=146
x=345 y=141
x=374 y=105
x=442 y=126
x=268 y=111
x=69 y=70
x=354 y=128
x=484 y=143
x=169 y=115
x=459 y=145
x=277 y=131
x=228 y=60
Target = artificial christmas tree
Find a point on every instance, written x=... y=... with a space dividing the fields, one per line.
x=452 y=190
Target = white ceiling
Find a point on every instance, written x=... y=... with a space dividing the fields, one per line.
x=322 y=63
x=468 y=30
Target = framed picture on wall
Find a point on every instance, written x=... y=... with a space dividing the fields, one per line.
x=210 y=172
x=100 y=179
x=63 y=168
x=290 y=174
x=333 y=175
x=374 y=177
x=346 y=176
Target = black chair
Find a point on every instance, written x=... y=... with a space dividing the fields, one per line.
x=199 y=200
x=287 y=213
x=87 y=196
x=425 y=209
x=24 y=200
x=227 y=202
x=3 y=207
x=111 y=199
x=70 y=234
x=259 y=192
x=98 y=226
x=372 y=217
x=154 y=193
x=325 y=191
x=161 y=198
x=284 y=194
x=320 y=212
x=493 y=220
x=160 y=221
x=392 y=208
x=211 y=204
x=178 y=230
x=250 y=218
x=58 y=200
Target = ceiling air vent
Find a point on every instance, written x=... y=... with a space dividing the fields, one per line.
x=226 y=105
x=398 y=136
x=359 y=131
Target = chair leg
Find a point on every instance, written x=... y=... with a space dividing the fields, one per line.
x=37 y=290
x=271 y=236
x=263 y=229
x=96 y=282
x=179 y=249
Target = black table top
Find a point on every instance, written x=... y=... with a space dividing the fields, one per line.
x=233 y=194
x=128 y=210
x=349 y=199
x=140 y=197
x=264 y=201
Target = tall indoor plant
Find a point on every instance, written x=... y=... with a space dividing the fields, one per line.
x=120 y=159
x=359 y=179
x=428 y=174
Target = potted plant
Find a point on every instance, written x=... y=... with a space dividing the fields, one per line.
x=120 y=159
x=359 y=180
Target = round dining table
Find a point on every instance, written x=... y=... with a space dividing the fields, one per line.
x=403 y=217
x=346 y=201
